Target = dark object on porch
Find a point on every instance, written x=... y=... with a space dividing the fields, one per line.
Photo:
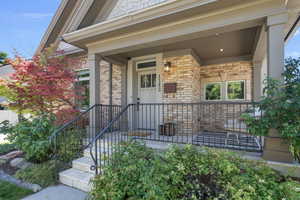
x=228 y=140
x=139 y=133
x=167 y=129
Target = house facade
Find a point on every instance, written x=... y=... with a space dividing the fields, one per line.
x=181 y=68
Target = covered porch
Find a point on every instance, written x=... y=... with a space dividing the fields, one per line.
x=189 y=79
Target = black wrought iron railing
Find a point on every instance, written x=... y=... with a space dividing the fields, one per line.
x=73 y=138
x=214 y=124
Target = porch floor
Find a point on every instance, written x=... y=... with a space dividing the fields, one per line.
x=230 y=140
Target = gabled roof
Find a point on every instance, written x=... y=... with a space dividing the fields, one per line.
x=58 y=23
x=70 y=16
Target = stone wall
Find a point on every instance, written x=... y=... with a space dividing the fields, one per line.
x=104 y=84
x=191 y=80
x=185 y=71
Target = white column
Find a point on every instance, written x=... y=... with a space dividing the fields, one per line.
x=94 y=66
x=276 y=25
x=257 y=68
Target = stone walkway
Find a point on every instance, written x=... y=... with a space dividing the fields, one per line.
x=59 y=192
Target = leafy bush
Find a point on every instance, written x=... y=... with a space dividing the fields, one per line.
x=32 y=137
x=6 y=148
x=281 y=107
x=137 y=172
x=44 y=174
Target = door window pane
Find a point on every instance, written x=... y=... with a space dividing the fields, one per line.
x=236 y=90
x=153 y=80
x=143 y=85
x=148 y=80
x=213 y=91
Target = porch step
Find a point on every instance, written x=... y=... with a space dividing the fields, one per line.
x=102 y=151
x=77 y=179
x=83 y=164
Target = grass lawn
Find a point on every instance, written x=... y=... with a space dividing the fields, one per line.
x=9 y=191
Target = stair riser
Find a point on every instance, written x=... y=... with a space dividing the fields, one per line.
x=82 y=167
x=87 y=153
x=75 y=183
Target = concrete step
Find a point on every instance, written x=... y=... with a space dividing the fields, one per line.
x=103 y=151
x=77 y=179
x=83 y=164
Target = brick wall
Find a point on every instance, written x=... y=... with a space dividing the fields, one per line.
x=104 y=84
x=185 y=71
x=191 y=80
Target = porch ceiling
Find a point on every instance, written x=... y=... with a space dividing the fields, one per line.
x=234 y=44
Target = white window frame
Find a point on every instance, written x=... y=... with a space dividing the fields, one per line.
x=83 y=78
x=221 y=83
x=224 y=90
x=234 y=82
x=145 y=61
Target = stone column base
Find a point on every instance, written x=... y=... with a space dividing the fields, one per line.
x=276 y=148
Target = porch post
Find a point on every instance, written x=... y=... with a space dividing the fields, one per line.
x=124 y=85
x=94 y=66
x=110 y=91
x=256 y=85
x=276 y=148
x=124 y=123
x=276 y=25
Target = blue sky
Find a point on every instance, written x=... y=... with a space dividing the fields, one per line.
x=23 y=23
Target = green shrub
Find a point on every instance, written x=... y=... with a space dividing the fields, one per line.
x=137 y=172
x=5 y=148
x=32 y=137
x=281 y=107
x=44 y=174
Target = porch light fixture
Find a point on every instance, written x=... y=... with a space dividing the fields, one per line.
x=221 y=50
x=167 y=66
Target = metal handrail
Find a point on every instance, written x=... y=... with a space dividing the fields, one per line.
x=71 y=122
x=100 y=135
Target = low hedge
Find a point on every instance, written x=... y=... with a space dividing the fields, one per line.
x=137 y=172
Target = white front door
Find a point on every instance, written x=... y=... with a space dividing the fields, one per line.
x=147 y=82
x=147 y=86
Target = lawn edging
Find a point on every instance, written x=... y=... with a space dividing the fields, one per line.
x=22 y=184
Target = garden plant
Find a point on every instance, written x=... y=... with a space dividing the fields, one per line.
x=280 y=106
x=137 y=172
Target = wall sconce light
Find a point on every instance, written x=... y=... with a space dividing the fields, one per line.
x=167 y=66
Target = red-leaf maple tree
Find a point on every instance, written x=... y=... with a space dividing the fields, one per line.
x=44 y=84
